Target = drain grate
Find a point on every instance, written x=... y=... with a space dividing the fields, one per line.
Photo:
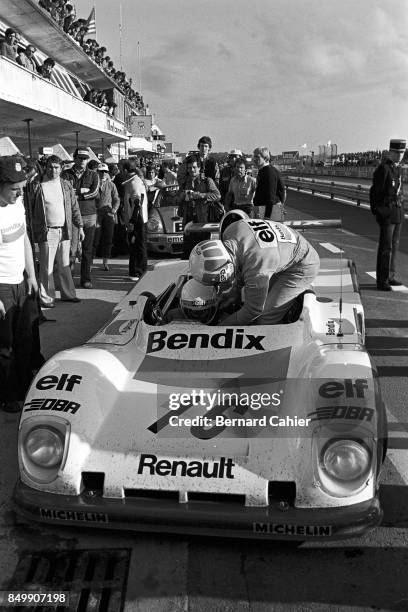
x=95 y=579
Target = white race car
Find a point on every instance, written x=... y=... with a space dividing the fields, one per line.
x=274 y=432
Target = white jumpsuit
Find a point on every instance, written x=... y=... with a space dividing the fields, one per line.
x=273 y=263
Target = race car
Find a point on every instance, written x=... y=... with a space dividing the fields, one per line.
x=164 y=230
x=271 y=432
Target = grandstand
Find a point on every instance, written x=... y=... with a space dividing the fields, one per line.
x=38 y=112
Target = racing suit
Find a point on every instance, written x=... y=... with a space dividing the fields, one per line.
x=273 y=263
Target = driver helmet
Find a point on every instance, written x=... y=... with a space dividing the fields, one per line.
x=198 y=302
x=230 y=217
x=211 y=263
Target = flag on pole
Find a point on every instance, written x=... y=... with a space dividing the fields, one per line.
x=91 y=23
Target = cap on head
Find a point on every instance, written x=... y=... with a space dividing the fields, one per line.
x=398 y=144
x=211 y=263
x=103 y=168
x=236 y=152
x=12 y=169
x=81 y=153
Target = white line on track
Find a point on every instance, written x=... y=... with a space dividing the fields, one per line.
x=331 y=247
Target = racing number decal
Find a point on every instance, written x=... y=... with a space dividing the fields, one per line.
x=267 y=233
x=202 y=433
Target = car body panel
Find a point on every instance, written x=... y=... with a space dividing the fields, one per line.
x=113 y=395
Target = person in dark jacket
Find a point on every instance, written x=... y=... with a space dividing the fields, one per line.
x=54 y=210
x=194 y=201
x=228 y=172
x=270 y=188
x=387 y=198
x=208 y=166
x=86 y=185
x=107 y=204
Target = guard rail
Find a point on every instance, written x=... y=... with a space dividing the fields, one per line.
x=357 y=193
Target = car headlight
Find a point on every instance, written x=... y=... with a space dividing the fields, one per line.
x=345 y=460
x=154 y=223
x=44 y=446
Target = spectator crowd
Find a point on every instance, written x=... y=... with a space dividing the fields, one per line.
x=65 y=15
x=11 y=48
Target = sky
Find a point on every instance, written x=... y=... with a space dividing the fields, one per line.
x=275 y=73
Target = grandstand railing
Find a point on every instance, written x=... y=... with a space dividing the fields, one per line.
x=30 y=90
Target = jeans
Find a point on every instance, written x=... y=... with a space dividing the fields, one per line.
x=17 y=344
x=387 y=252
x=58 y=249
x=89 y=226
x=104 y=232
x=137 y=248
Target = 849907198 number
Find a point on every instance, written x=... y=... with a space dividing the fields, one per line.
x=10 y=599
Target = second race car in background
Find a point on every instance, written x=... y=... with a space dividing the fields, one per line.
x=164 y=227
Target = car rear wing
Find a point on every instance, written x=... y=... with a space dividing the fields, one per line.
x=299 y=224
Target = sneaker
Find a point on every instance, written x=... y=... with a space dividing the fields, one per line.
x=86 y=285
x=395 y=283
x=11 y=406
x=134 y=278
x=47 y=304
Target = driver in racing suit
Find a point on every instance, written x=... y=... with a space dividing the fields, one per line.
x=272 y=262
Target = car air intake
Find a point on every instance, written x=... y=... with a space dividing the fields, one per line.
x=152 y=494
x=216 y=498
x=282 y=492
x=92 y=482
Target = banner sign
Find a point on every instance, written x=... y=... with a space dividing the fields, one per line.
x=141 y=125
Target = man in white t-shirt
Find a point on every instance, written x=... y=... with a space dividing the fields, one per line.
x=18 y=286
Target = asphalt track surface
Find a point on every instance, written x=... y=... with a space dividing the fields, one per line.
x=178 y=573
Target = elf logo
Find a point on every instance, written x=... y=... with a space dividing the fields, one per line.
x=65 y=382
x=333 y=389
x=231 y=338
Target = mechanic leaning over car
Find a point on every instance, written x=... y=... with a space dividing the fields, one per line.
x=272 y=262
